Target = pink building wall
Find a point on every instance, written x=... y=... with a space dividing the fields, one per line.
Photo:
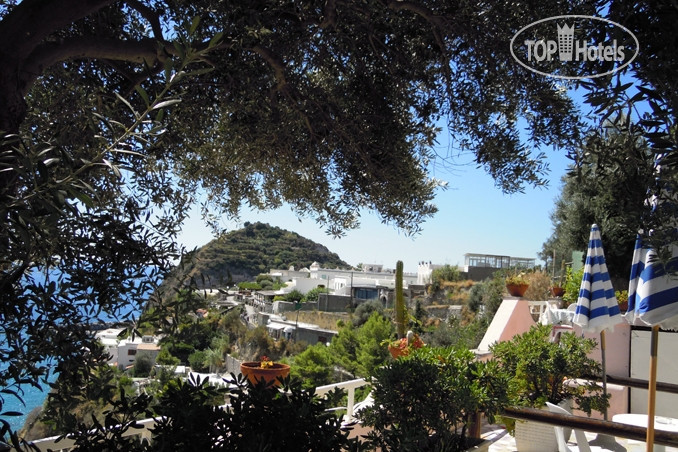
x=514 y=317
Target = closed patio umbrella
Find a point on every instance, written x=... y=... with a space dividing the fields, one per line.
x=653 y=300
x=597 y=307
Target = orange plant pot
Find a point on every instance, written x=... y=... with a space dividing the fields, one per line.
x=557 y=291
x=254 y=372
x=517 y=290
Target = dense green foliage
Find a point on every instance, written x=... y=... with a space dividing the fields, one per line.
x=188 y=420
x=117 y=116
x=486 y=296
x=444 y=273
x=424 y=402
x=572 y=285
x=314 y=366
x=245 y=253
x=355 y=350
x=607 y=186
x=641 y=105
x=459 y=334
x=313 y=294
x=540 y=369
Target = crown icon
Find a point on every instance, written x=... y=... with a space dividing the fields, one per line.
x=565 y=42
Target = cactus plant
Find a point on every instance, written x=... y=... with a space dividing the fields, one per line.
x=400 y=312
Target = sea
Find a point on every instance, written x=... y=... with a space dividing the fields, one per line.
x=32 y=397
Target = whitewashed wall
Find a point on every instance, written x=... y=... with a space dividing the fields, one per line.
x=667 y=371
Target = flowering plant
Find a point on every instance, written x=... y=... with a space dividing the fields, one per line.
x=517 y=279
x=266 y=362
x=402 y=346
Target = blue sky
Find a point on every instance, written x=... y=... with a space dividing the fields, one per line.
x=474 y=217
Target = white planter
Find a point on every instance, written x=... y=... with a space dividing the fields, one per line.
x=534 y=436
x=482 y=447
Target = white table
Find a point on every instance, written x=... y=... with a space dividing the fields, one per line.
x=559 y=316
x=640 y=420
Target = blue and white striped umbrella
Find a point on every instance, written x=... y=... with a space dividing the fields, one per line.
x=597 y=307
x=653 y=289
x=653 y=300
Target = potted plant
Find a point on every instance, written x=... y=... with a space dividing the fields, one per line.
x=517 y=284
x=558 y=285
x=403 y=346
x=622 y=299
x=429 y=400
x=557 y=288
x=544 y=371
x=265 y=369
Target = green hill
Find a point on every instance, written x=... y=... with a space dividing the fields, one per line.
x=243 y=254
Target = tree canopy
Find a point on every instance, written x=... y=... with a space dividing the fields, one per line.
x=642 y=104
x=607 y=186
x=117 y=116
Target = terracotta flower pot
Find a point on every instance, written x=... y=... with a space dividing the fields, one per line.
x=254 y=372
x=557 y=291
x=517 y=290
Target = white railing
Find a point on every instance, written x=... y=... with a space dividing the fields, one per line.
x=65 y=444
x=348 y=386
x=143 y=432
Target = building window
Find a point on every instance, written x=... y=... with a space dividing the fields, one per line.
x=366 y=294
x=131 y=352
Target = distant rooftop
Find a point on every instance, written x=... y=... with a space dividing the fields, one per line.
x=497 y=261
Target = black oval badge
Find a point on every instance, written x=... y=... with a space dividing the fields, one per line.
x=574 y=47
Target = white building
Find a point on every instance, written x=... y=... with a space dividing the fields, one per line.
x=424 y=272
x=371 y=278
x=124 y=351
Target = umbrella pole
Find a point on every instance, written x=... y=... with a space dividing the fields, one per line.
x=652 y=389
x=602 y=353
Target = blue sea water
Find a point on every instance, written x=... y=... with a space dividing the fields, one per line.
x=32 y=397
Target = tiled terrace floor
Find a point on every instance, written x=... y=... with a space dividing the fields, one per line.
x=503 y=442
x=506 y=443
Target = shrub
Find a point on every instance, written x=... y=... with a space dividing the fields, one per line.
x=294 y=295
x=540 y=369
x=572 y=284
x=365 y=310
x=261 y=418
x=312 y=295
x=198 y=361
x=426 y=400
x=142 y=365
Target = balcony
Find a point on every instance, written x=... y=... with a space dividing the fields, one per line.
x=625 y=437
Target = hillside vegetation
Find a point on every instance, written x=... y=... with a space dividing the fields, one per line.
x=243 y=254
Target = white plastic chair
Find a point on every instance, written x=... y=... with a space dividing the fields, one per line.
x=582 y=442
